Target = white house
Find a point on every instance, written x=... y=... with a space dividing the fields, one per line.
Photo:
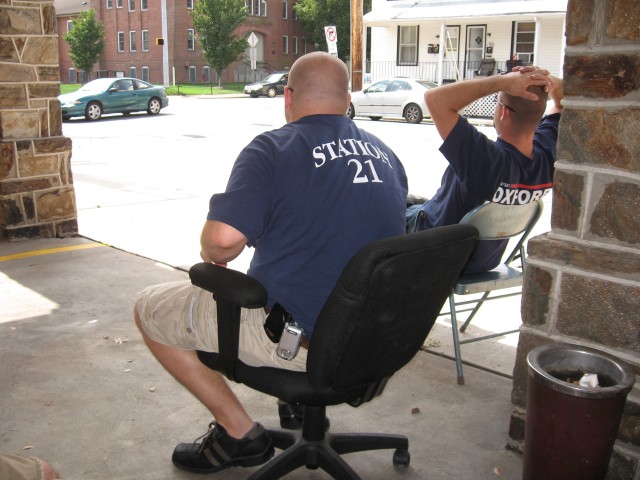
x=447 y=40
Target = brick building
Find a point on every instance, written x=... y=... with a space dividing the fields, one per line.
x=132 y=28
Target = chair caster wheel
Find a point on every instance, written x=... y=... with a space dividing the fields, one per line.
x=401 y=457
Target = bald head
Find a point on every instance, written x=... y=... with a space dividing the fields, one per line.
x=318 y=84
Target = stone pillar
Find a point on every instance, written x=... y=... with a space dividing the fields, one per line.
x=37 y=198
x=582 y=282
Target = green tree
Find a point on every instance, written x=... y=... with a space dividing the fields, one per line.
x=314 y=15
x=86 y=40
x=215 y=21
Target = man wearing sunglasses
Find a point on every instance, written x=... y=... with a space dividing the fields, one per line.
x=517 y=168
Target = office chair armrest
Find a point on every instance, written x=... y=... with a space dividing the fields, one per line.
x=230 y=285
x=232 y=291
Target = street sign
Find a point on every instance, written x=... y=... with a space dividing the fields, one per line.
x=332 y=39
x=252 y=40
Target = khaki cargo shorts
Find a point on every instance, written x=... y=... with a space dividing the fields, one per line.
x=182 y=315
x=14 y=467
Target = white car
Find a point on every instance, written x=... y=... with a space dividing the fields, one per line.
x=393 y=97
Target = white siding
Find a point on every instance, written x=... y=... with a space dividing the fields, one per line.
x=552 y=43
x=384 y=46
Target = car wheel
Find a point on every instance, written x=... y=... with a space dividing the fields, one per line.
x=154 y=106
x=375 y=119
x=271 y=92
x=93 y=111
x=351 y=112
x=413 y=113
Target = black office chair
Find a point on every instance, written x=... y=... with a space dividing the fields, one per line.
x=373 y=323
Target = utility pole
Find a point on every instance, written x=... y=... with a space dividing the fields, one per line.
x=356 y=45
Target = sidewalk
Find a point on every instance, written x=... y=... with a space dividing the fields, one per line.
x=81 y=390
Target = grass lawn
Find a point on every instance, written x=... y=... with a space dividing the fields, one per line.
x=186 y=89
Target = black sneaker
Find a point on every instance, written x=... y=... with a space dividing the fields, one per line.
x=292 y=416
x=218 y=450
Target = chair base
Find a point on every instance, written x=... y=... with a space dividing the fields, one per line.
x=315 y=448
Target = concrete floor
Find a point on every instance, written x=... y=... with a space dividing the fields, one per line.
x=81 y=390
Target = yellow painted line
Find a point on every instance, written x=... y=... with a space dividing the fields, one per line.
x=48 y=251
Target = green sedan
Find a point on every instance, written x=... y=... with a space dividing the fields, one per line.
x=113 y=95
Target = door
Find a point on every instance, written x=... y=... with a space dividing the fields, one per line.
x=450 y=69
x=371 y=101
x=474 y=48
x=395 y=97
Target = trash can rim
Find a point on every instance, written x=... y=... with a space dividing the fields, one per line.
x=622 y=387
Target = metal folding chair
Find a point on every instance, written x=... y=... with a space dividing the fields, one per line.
x=486 y=68
x=494 y=221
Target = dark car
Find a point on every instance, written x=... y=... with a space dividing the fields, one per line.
x=113 y=95
x=271 y=86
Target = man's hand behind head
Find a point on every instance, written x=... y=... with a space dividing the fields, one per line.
x=524 y=77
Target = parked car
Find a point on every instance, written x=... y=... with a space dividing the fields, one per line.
x=271 y=86
x=393 y=97
x=113 y=95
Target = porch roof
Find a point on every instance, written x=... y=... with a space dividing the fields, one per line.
x=426 y=10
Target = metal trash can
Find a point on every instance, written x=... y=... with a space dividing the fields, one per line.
x=571 y=429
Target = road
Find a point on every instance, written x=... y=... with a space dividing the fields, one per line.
x=143 y=182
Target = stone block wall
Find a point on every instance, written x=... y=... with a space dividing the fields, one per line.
x=37 y=198
x=582 y=282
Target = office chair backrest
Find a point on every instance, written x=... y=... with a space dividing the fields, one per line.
x=496 y=221
x=384 y=305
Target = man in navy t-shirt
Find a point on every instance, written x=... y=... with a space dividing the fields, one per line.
x=306 y=197
x=515 y=169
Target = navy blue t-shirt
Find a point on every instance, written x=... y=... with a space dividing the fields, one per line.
x=481 y=170
x=308 y=196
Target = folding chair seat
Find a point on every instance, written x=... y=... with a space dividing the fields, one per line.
x=494 y=221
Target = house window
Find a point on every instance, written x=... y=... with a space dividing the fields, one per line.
x=191 y=35
x=121 y=41
x=256 y=8
x=294 y=14
x=285 y=8
x=524 y=41
x=133 y=44
x=285 y=44
x=145 y=74
x=118 y=3
x=408 y=45
x=144 y=4
x=189 y=4
x=109 y=3
x=72 y=75
x=304 y=45
x=192 y=74
x=132 y=72
x=295 y=45
x=145 y=40
x=206 y=74
x=132 y=5
x=69 y=25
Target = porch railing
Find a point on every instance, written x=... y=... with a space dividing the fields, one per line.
x=429 y=71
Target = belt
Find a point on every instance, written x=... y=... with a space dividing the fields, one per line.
x=305 y=343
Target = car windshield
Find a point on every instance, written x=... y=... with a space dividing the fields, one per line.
x=427 y=84
x=99 y=85
x=274 y=77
